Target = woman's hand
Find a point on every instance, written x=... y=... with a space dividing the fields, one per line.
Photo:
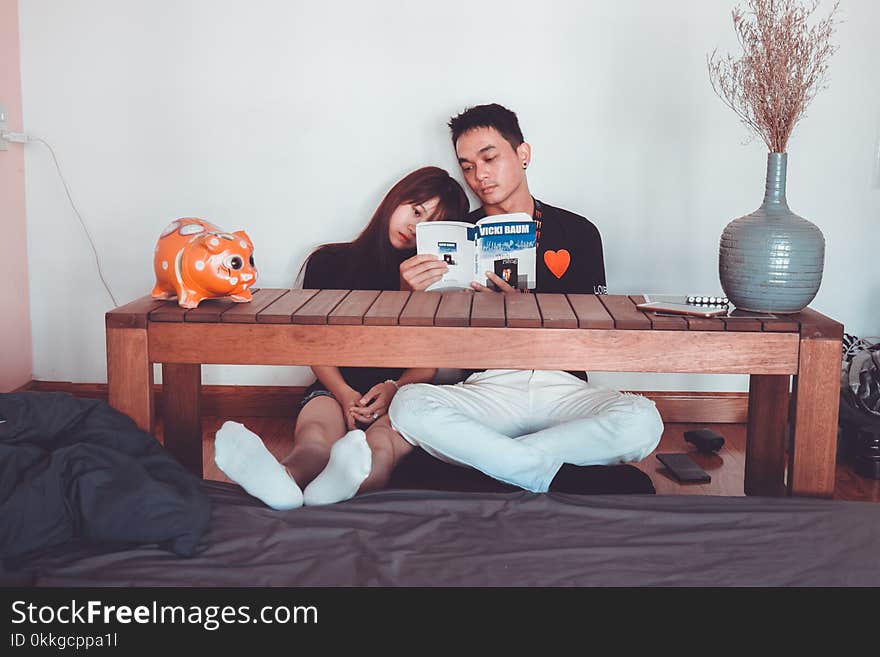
x=420 y=271
x=347 y=398
x=375 y=403
x=503 y=286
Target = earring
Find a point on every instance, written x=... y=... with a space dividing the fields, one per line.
x=525 y=165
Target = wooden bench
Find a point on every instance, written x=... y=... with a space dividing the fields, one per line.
x=491 y=331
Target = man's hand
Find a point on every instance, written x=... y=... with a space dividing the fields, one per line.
x=500 y=282
x=420 y=271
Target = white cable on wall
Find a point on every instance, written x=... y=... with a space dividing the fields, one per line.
x=22 y=138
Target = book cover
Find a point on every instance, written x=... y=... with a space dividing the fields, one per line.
x=502 y=244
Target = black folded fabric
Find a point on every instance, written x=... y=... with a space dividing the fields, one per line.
x=76 y=469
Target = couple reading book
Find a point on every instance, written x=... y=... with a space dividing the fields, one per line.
x=531 y=429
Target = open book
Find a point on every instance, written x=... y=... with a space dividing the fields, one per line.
x=671 y=304
x=503 y=244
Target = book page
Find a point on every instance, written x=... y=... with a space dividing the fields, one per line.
x=506 y=246
x=448 y=240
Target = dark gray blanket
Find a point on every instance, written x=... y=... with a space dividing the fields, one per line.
x=77 y=470
x=433 y=538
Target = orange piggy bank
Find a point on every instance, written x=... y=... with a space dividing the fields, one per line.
x=195 y=260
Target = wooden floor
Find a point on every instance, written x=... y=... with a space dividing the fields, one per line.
x=726 y=467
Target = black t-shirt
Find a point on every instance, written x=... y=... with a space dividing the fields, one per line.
x=569 y=257
x=334 y=270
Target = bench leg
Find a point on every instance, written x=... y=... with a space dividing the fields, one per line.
x=765 y=435
x=130 y=375
x=816 y=398
x=181 y=413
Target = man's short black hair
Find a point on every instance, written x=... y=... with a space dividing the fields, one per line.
x=488 y=116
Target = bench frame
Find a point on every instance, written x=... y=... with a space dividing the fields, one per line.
x=423 y=329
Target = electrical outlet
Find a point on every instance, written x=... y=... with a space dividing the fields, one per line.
x=4 y=126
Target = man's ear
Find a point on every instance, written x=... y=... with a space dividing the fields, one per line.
x=524 y=153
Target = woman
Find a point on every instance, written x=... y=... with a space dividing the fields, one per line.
x=343 y=441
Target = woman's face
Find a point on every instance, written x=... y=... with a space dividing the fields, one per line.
x=402 y=226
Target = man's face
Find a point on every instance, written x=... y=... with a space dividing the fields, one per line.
x=491 y=166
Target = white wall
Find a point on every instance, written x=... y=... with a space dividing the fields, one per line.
x=291 y=119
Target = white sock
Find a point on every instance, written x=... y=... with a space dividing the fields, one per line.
x=349 y=464
x=241 y=455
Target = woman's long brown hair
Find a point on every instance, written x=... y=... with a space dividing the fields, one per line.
x=372 y=247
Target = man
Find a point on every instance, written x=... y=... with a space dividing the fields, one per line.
x=522 y=426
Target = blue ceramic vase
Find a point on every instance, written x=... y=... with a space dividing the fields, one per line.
x=771 y=260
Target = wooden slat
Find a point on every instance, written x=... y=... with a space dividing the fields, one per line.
x=667 y=323
x=251 y=401
x=705 y=324
x=281 y=310
x=555 y=311
x=782 y=325
x=316 y=309
x=662 y=322
x=817 y=399
x=209 y=310
x=353 y=307
x=420 y=309
x=701 y=407
x=742 y=323
x=488 y=310
x=386 y=310
x=168 y=311
x=454 y=309
x=522 y=311
x=246 y=313
x=132 y=315
x=624 y=312
x=590 y=311
x=816 y=325
x=706 y=352
x=765 y=438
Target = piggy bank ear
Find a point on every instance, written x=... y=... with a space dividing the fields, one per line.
x=243 y=237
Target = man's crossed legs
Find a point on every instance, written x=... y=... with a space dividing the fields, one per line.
x=521 y=426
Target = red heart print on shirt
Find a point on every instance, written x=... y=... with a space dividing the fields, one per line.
x=557 y=261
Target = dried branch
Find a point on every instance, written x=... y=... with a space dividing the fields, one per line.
x=784 y=64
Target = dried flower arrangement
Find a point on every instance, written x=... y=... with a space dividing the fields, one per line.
x=782 y=68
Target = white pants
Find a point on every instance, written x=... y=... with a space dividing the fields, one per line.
x=520 y=426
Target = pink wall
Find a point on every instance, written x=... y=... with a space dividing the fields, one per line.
x=16 y=359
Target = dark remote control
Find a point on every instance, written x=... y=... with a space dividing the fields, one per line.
x=705 y=440
x=684 y=469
